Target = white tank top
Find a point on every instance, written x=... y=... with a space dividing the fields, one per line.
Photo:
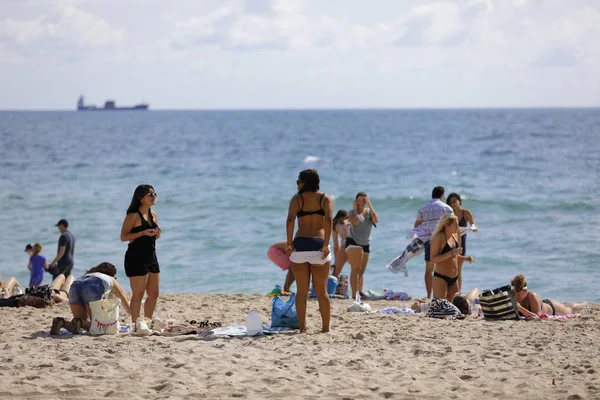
x=106 y=280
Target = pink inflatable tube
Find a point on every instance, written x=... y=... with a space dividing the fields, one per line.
x=278 y=257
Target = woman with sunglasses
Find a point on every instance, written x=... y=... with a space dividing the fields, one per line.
x=530 y=305
x=309 y=250
x=140 y=229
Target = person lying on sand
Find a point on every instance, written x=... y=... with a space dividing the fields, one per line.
x=86 y=289
x=530 y=305
x=7 y=287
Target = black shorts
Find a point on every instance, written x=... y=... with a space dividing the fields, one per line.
x=140 y=265
x=427 y=250
x=61 y=269
x=352 y=242
x=463 y=244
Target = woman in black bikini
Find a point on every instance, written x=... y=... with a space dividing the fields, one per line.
x=530 y=305
x=140 y=229
x=309 y=250
x=464 y=217
x=445 y=252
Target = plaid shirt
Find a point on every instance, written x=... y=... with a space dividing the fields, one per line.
x=429 y=215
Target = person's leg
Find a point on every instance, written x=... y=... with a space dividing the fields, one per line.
x=67 y=285
x=152 y=290
x=452 y=290
x=440 y=287
x=361 y=273
x=320 y=276
x=561 y=309
x=459 y=280
x=429 y=267
x=472 y=294
x=340 y=260
x=138 y=288
x=289 y=279
x=355 y=255
x=302 y=274
x=9 y=285
x=58 y=282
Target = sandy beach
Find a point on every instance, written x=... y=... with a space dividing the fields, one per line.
x=364 y=356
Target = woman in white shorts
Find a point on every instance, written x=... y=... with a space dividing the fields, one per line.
x=309 y=250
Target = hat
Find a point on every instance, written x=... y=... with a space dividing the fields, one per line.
x=63 y=222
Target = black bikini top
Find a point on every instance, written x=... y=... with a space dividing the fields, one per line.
x=447 y=248
x=320 y=211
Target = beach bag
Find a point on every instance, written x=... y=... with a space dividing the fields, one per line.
x=105 y=315
x=42 y=291
x=442 y=308
x=342 y=287
x=358 y=306
x=283 y=313
x=499 y=304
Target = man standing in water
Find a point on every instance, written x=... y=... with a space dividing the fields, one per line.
x=63 y=263
x=428 y=217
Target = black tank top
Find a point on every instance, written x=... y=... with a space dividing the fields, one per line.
x=144 y=240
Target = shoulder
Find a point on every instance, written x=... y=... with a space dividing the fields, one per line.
x=132 y=216
x=467 y=212
x=153 y=213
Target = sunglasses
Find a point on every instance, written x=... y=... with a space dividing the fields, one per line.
x=152 y=194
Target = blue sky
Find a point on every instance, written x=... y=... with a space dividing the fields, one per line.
x=189 y=54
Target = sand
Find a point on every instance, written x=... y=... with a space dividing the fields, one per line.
x=365 y=356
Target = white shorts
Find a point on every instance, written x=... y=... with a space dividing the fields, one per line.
x=311 y=257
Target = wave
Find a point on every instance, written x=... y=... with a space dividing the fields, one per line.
x=315 y=159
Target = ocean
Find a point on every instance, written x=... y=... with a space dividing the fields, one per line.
x=224 y=180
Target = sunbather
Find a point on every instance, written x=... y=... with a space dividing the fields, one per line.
x=530 y=305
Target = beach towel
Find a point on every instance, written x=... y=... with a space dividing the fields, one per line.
x=499 y=304
x=392 y=295
x=398 y=264
x=237 y=330
x=396 y=310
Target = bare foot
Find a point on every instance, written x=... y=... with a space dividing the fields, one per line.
x=324 y=330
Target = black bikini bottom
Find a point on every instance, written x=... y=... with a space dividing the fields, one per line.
x=449 y=281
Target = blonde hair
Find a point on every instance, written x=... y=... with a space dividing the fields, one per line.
x=37 y=249
x=519 y=282
x=444 y=222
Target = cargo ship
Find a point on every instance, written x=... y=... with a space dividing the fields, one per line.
x=109 y=105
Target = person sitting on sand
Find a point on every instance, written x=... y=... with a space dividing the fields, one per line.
x=90 y=287
x=530 y=305
x=445 y=252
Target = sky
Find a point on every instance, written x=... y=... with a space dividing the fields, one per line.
x=281 y=54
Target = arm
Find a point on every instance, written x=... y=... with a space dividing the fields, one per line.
x=470 y=219
x=437 y=246
x=157 y=229
x=419 y=219
x=336 y=244
x=61 y=253
x=29 y=265
x=328 y=220
x=128 y=223
x=289 y=225
x=470 y=259
x=373 y=215
x=46 y=265
x=355 y=217
x=117 y=290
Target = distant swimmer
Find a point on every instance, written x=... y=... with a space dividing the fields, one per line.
x=464 y=217
x=309 y=249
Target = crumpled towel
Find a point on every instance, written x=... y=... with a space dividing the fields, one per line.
x=396 y=310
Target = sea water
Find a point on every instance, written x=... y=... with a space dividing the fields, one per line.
x=225 y=178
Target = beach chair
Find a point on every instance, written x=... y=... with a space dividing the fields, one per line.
x=499 y=304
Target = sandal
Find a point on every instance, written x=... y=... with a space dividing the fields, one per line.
x=57 y=323
x=76 y=326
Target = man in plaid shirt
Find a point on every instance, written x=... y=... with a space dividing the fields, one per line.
x=428 y=217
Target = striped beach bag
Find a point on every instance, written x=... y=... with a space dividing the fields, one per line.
x=499 y=304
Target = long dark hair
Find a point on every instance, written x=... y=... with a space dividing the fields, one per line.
x=339 y=217
x=311 y=180
x=105 y=268
x=136 y=200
